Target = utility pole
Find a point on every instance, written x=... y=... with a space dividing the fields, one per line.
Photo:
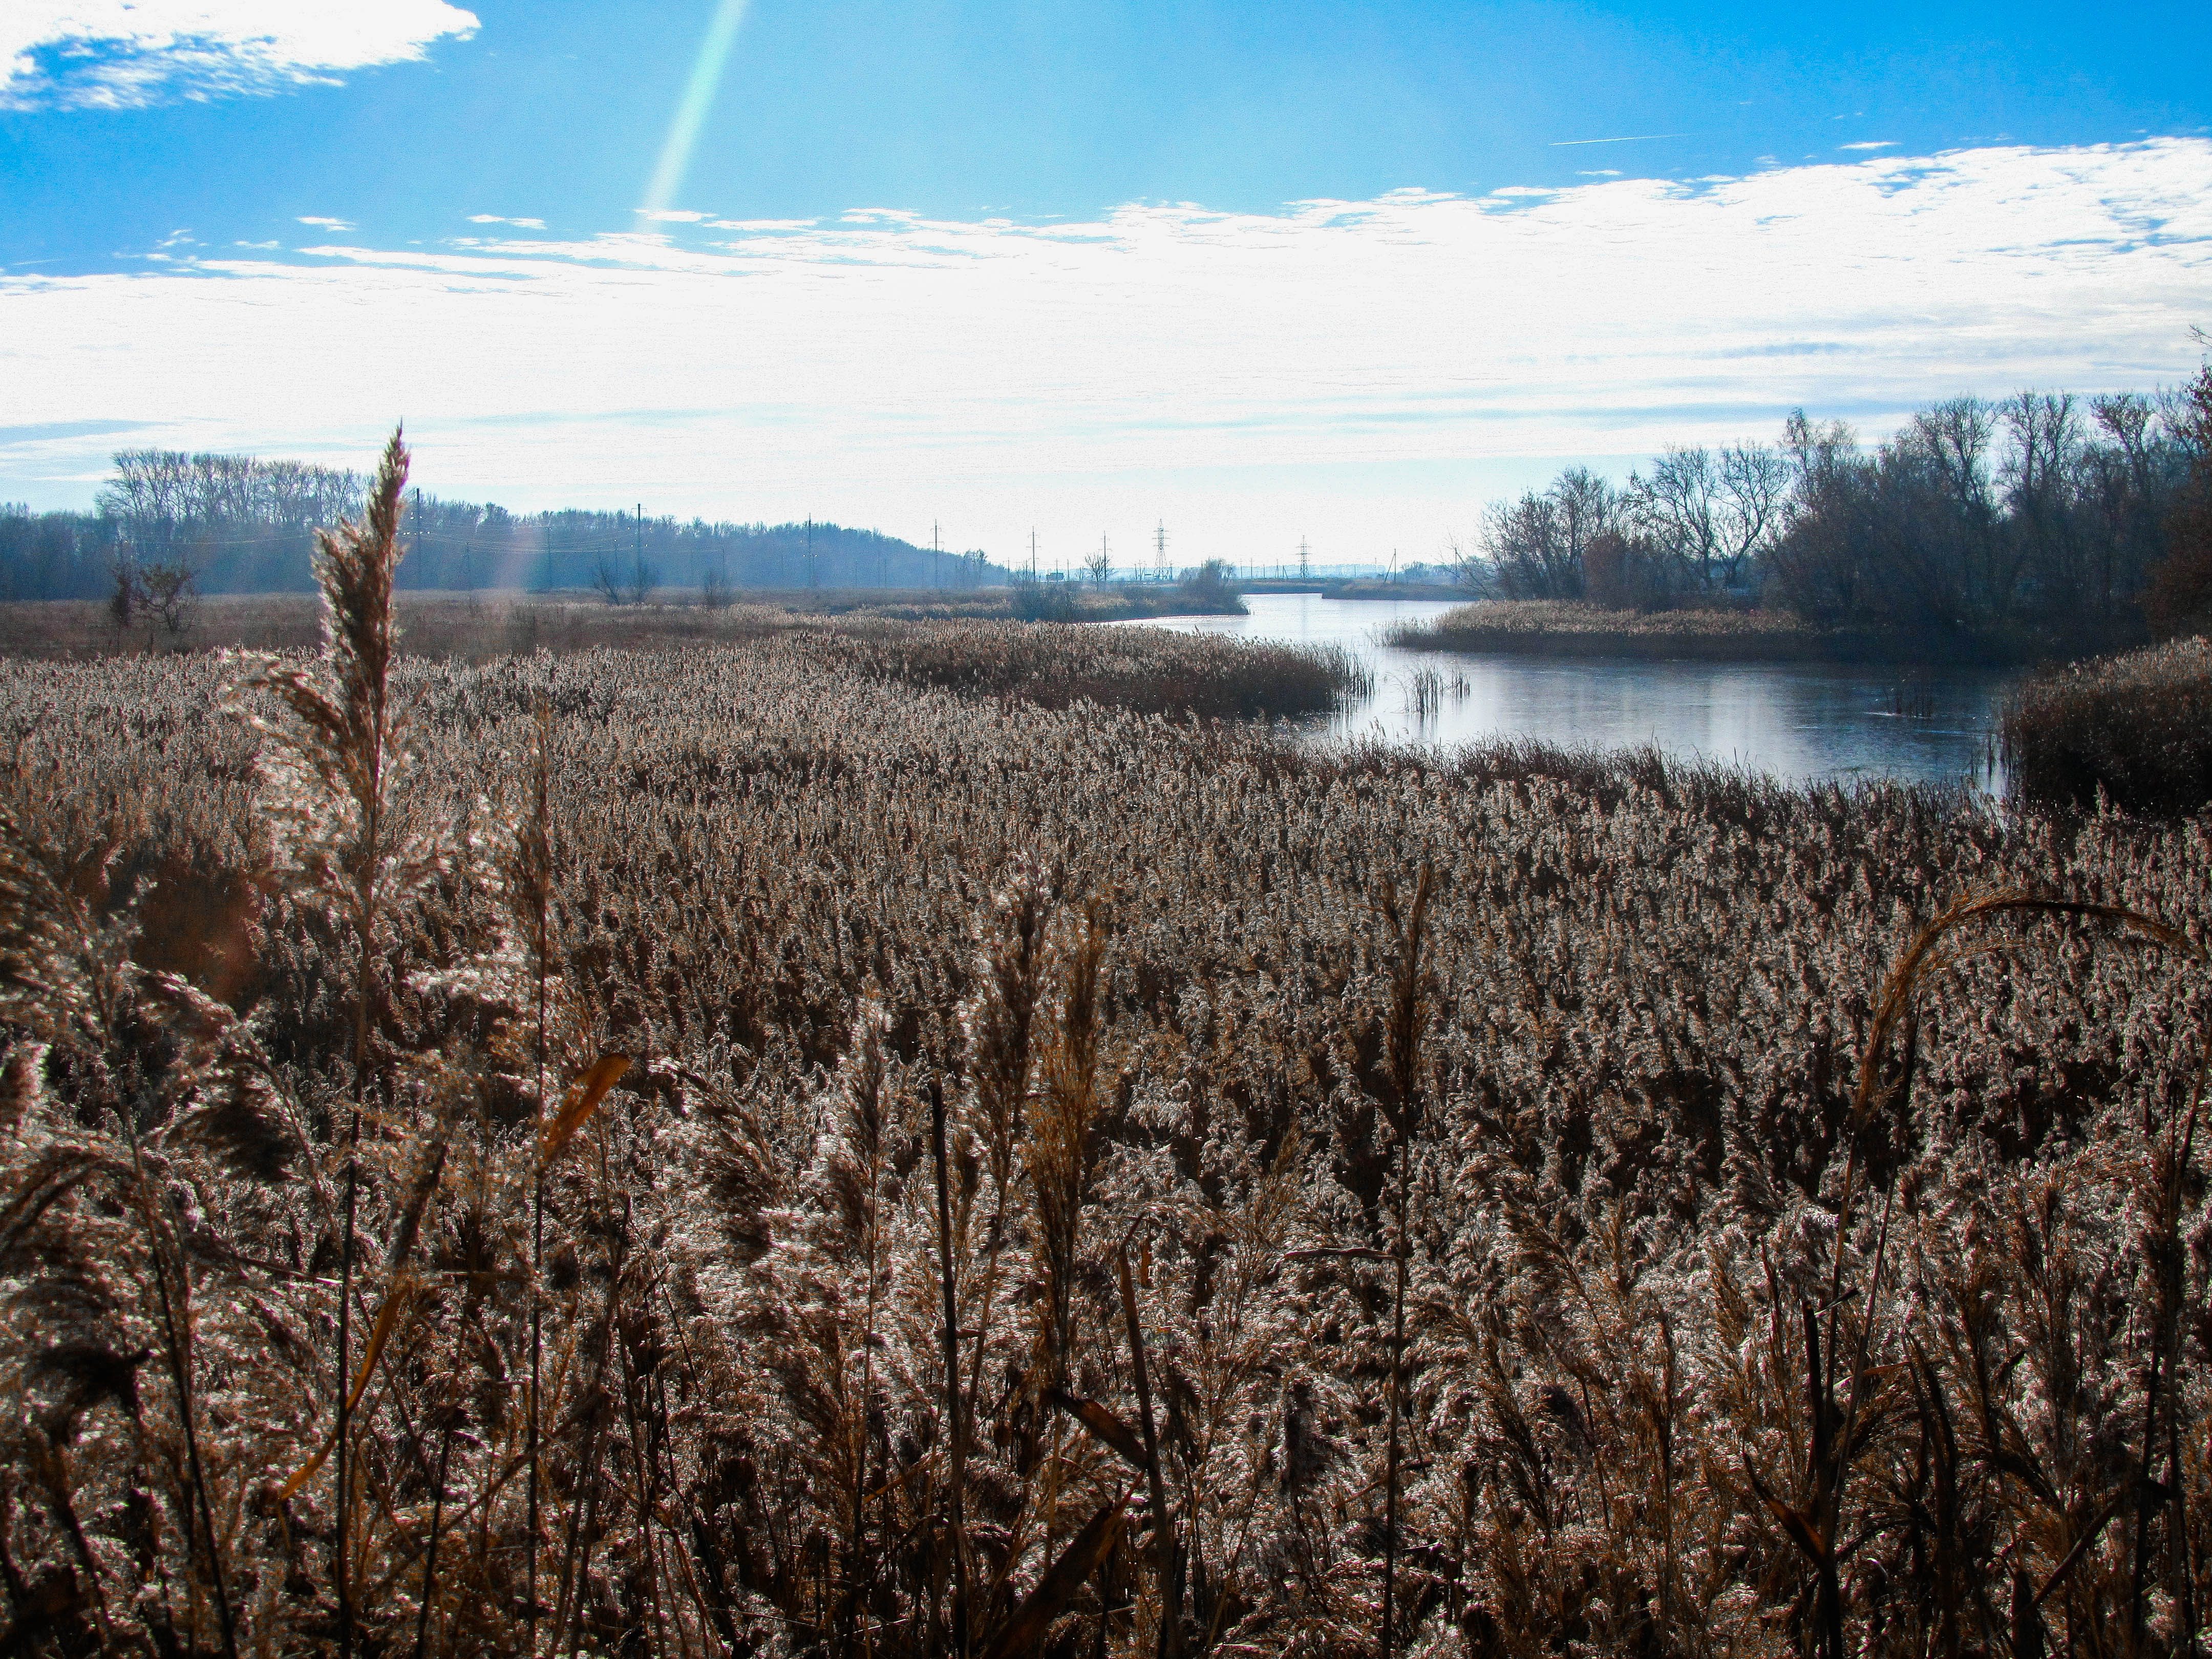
x=1033 y=576
x=1160 y=551
x=813 y=573
x=936 y=557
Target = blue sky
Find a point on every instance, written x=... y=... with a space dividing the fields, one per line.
x=1000 y=265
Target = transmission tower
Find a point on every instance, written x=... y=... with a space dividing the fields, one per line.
x=1305 y=566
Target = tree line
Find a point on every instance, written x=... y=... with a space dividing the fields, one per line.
x=2042 y=508
x=241 y=524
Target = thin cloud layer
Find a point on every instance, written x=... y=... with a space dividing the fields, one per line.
x=1353 y=359
x=120 y=54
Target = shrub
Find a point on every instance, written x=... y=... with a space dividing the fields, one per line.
x=1209 y=586
x=1039 y=602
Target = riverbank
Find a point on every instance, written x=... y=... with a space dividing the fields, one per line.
x=1538 y=628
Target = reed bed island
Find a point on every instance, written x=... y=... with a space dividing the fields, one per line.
x=777 y=1147
x=1556 y=628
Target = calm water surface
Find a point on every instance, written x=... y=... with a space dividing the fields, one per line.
x=1795 y=720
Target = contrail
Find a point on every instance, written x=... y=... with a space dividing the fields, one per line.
x=691 y=110
x=1633 y=138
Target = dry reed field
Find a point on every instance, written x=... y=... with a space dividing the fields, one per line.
x=499 y=623
x=1562 y=627
x=1572 y=629
x=750 y=1150
x=2136 y=728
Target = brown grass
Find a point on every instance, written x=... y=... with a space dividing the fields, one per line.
x=1051 y=665
x=479 y=627
x=2134 y=731
x=1561 y=629
x=1778 y=1273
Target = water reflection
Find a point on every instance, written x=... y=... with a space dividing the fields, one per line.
x=1795 y=720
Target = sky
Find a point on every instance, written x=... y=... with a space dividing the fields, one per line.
x=1260 y=272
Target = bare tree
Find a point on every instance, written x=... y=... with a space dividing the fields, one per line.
x=2042 y=475
x=168 y=591
x=1536 y=545
x=1710 y=515
x=1820 y=559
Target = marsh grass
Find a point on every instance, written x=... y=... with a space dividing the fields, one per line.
x=852 y=1161
x=1150 y=671
x=2134 y=731
x=1570 y=628
x=496 y=623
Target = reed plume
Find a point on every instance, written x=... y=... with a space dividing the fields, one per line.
x=343 y=829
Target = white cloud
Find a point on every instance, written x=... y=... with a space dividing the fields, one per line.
x=321 y=224
x=671 y=215
x=495 y=219
x=1364 y=372
x=1871 y=144
x=117 y=54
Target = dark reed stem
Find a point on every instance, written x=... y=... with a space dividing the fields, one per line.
x=340 y=1473
x=955 y=1425
x=1404 y=1067
x=430 y=1556
x=1167 y=1559
x=535 y=861
x=177 y=1352
x=1391 y=1452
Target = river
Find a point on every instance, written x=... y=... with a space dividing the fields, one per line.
x=1795 y=720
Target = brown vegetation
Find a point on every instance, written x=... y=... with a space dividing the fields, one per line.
x=1139 y=669
x=480 y=626
x=2133 y=731
x=1570 y=628
x=845 y=1166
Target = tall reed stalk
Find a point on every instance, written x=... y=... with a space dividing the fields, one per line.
x=1405 y=1056
x=530 y=887
x=333 y=772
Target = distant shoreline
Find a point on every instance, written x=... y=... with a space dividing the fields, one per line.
x=437 y=622
x=1543 y=629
